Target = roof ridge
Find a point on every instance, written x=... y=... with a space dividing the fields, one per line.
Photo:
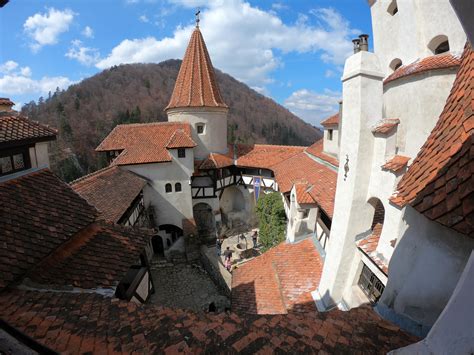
x=94 y=173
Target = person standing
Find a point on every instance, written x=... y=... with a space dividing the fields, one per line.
x=254 y=238
x=228 y=259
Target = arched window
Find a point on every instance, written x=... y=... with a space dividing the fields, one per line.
x=168 y=188
x=177 y=187
x=395 y=64
x=439 y=44
x=392 y=9
x=200 y=128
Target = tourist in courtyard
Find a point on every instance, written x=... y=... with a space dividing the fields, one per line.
x=254 y=238
x=228 y=259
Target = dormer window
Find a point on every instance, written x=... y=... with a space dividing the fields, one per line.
x=439 y=44
x=443 y=47
x=13 y=161
x=392 y=9
x=330 y=134
x=395 y=64
x=181 y=153
x=200 y=128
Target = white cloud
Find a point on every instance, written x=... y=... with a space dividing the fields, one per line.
x=88 y=32
x=329 y=73
x=84 y=55
x=44 y=29
x=8 y=66
x=18 y=82
x=313 y=107
x=244 y=41
x=144 y=19
x=279 y=6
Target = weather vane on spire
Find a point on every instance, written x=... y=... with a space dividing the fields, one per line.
x=197 y=17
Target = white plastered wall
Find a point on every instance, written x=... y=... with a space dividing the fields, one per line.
x=425 y=267
x=417 y=101
x=331 y=146
x=170 y=208
x=406 y=34
x=214 y=137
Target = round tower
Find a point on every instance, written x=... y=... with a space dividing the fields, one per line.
x=196 y=100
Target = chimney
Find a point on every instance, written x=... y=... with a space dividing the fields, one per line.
x=6 y=104
x=356 y=45
x=364 y=42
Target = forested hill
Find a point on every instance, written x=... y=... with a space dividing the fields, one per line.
x=87 y=112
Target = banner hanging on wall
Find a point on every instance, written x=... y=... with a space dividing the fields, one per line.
x=257 y=180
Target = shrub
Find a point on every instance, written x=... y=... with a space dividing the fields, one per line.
x=272 y=219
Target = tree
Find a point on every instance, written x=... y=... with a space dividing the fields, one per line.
x=272 y=219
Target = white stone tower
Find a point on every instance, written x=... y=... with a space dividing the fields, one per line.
x=407 y=30
x=196 y=99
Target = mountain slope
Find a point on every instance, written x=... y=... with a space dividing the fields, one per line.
x=87 y=112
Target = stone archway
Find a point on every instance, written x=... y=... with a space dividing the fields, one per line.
x=170 y=233
x=205 y=221
x=235 y=206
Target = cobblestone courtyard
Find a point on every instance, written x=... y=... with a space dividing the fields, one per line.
x=186 y=286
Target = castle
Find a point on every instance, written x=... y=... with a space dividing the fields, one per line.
x=380 y=211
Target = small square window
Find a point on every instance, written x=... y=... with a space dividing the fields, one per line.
x=18 y=161
x=5 y=165
x=181 y=153
x=200 y=128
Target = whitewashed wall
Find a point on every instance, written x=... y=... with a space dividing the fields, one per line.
x=214 y=138
x=170 y=208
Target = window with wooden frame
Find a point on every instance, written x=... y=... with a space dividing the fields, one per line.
x=14 y=160
x=200 y=128
x=181 y=153
x=370 y=284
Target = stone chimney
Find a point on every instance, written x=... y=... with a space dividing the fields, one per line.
x=364 y=42
x=6 y=104
x=362 y=95
x=356 y=45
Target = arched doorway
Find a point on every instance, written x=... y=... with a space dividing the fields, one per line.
x=235 y=207
x=157 y=244
x=171 y=232
x=205 y=221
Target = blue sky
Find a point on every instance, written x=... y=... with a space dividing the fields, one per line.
x=292 y=51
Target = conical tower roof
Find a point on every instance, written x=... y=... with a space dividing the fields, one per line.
x=196 y=84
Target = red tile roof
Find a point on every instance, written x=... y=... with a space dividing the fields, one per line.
x=439 y=183
x=303 y=168
x=303 y=193
x=196 y=84
x=142 y=143
x=180 y=139
x=98 y=256
x=278 y=281
x=6 y=101
x=216 y=161
x=385 y=125
x=91 y=323
x=331 y=121
x=316 y=150
x=38 y=213
x=396 y=163
x=264 y=155
x=440 y=61
x=18 y=129
x=111 y=190
x=369 y=246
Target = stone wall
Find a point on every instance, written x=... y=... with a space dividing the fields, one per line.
x=216 y=270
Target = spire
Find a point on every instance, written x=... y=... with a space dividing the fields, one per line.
x=196 y=84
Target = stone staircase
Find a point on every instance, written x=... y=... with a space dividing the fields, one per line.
x=158 y=263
